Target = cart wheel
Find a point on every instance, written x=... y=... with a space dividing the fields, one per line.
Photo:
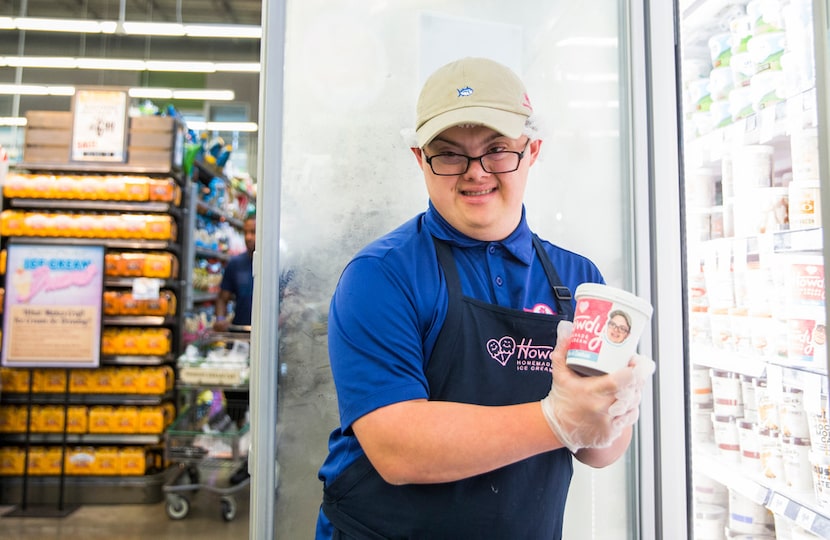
x=228 y=508
x=177 y=506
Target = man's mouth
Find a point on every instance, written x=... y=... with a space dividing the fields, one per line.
x=478 y=193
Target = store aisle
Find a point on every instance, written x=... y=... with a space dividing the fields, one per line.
x=131 y=522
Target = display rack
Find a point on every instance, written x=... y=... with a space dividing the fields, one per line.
x=138 y=211
x=217 y=201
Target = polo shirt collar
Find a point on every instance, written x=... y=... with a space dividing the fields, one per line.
x=519 y=243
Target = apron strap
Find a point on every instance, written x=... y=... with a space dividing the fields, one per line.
x=562 y=293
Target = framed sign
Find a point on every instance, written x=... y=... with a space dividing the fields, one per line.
x=99 y=128
x=53 y=306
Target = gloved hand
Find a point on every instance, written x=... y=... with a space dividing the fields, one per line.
x=579 y=409
x=626 y=409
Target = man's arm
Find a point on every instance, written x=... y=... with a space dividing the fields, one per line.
x=221 y=323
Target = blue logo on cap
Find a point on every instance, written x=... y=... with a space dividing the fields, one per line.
x=464 y=92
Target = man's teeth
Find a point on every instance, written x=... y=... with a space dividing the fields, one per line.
x=483 y=192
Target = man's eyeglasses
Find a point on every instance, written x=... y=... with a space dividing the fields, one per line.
x=451 y=164
x=618 y=327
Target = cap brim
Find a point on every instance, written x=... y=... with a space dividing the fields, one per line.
x=507 y=123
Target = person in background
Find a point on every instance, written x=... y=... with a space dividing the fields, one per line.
x=447 y=341
x=238 y=284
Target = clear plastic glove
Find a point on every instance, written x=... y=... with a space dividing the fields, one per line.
x=626 y=409
x=578 y=409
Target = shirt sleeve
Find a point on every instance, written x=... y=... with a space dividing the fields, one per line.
x=375 y=345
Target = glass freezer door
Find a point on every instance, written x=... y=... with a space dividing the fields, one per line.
x=352 y=72
x=754 y=252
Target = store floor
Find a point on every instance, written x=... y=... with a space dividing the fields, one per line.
x=307 y=411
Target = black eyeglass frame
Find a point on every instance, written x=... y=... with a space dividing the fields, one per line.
x=480 y=158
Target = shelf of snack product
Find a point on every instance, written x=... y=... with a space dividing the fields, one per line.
x=112 y=418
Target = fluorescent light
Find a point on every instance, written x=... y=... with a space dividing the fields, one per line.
x=153 y=29
x=127 y=64
x=239 y=67
x=60 y=62
x=36 y=90
x=208 y=95
x=119 y=64
x=87 y=26
x=18 y=121
x=199 y=125
x=180 y=65
x=151 y=93
x=223 y=30
x=137 y=28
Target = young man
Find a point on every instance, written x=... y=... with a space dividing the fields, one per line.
x=441 y=341
x=238 y=283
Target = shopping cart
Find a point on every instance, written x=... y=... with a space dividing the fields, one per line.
x=208 y=442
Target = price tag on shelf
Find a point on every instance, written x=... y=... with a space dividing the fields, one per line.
x=805 y=518
x=778 y=504
x=766 y=128
x=146 y=288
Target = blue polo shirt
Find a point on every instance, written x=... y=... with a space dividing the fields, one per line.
x=391 y=301
x=238 y=279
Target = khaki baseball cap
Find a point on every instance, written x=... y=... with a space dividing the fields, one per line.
x=476 y=91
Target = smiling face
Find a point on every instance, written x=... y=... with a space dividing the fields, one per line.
x=479 y=204
x=618 y=329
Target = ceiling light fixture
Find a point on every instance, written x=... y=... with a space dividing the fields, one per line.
x=135 y=28
x=126 y=64
x=136 y=92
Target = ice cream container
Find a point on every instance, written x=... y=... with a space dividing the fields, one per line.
x=767 y=406
x=607 y=326
x=772 y=464
x=821 y=478
x=804 y=151
x=701 y=419
x=819 y=428
x=797 y=470
x=701 y=386
x=748 y=517
x=726 y=437
x=804 y=205
x=700 y=329
x=767 y=88
x=726 y=393
x=742 y=68
x=700 y=187
x=804 y=280
x=791 y=413
x=765 y=16
x=719 y=113
x=748 y=396
x=740 y=28
x=721 y=327
x=766 y=50
x=805 y=333
x=750 y=447
x=752 y=167
x=740 y=102
x=720 y=49
x=762 y=334
x=699 y=94
x=709 y=491
x=709 y=521
x=720 y=82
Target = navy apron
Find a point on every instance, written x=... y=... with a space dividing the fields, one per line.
x=487 y=355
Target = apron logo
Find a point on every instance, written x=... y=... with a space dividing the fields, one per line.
x=501 y=350
x=530 y=356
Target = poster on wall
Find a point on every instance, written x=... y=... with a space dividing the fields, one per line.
x=53 y=306
x=99 y=128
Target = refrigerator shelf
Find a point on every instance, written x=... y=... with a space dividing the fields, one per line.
x=774 y=122
x=799 y=507
x=746 y=364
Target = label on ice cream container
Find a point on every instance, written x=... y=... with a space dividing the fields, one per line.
x=607 y=326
